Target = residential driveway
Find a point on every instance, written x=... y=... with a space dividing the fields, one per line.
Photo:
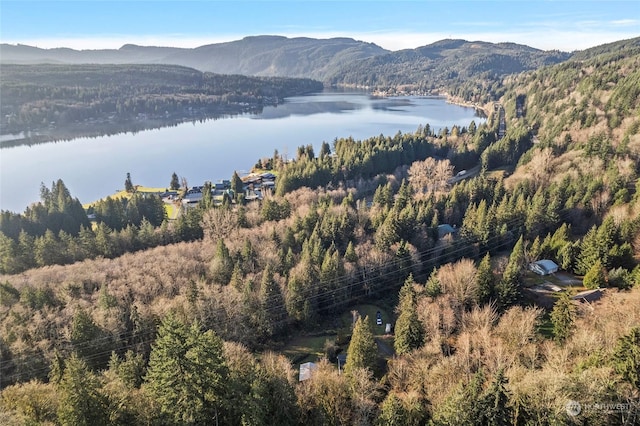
x=567 y=279
x=384 y=348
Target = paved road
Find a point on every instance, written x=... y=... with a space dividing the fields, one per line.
x=470 y=173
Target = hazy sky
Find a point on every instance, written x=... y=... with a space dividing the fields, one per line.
x=394 y=25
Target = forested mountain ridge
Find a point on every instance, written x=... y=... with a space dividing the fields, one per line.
x=256 y=55
x=102 y=340
x=77 y=99
x=277 y=56
x=446 y=64
x=335 y=61
x=127 y=54
x=64 y=95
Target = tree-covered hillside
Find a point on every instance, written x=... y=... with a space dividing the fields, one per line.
x=445 y=64
x=448 y=65
x=443 y=227
x=277 y=56
x=270 y=56
x=43 y=98
x=585 y=114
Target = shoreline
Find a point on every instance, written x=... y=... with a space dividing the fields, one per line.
x=457 y=101
x=482 y=110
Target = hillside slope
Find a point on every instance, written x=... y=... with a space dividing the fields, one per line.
x=349 y=225
x=63 y=100
x=127 y=54
x=277 y=56
x=586 y=110
x=335 y=60
x=258 y=55
x=446 y=63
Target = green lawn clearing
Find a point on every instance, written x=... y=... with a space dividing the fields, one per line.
x=124 y=194
x=172 y=211
x=303 y=349
x=368 y=310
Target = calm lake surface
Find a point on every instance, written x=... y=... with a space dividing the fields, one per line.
x=93 y=168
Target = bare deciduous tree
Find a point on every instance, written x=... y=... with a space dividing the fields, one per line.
x=540 y=166
x=459 y=281
x=430 y=175
x=219 y=223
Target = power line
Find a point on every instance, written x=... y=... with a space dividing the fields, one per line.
x=370 y=276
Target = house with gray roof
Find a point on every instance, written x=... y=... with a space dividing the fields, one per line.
x=544 y=267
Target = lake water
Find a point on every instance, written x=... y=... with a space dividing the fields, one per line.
x=93 y=168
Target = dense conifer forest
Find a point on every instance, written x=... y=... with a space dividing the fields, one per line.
x=72 y=100
x=135 y=320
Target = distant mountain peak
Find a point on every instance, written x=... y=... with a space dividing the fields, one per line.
x=130 y=46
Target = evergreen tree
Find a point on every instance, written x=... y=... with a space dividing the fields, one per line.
x=403 y=196
x=597 y=245
x=472 y=128
x=535 y=250
x=8 y=258
x=301 y=291
x=237 y=186
x=207 y=197
x=128 y=184
x=331 y=272
x=393 y=412
x=461 y=407
x=237 y=277
x=383 y=195
x=508 y=289
x=362 y=351
x=248 y=256
x=485 y=280
x=80 y=400
x=88 y=339
x=271 y=303
x=626 y=357
x=272 y=400
x=187 y=373
x=403 y=262
x=563 y=317
x=103 y=241
x=47 y=249
x=174 y=185
x=595 y=276
x=147 y=235
x=222 y=264
x=409 y=332
x=432 y=287
x=325 y=151
x=25 y=250
x=57 y=367
x=388 y=233
x=350 y=253
x=130 y=370
x=496 y=408
x=87 y=243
